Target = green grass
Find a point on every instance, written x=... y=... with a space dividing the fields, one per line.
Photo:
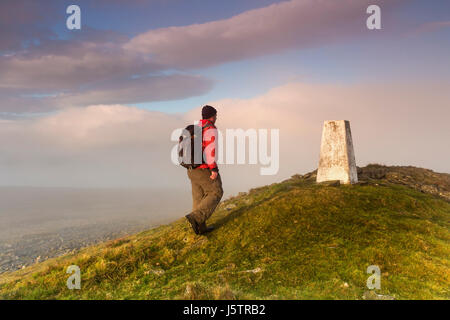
x=291 y=240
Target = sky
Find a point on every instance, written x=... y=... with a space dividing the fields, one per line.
x=96 y=107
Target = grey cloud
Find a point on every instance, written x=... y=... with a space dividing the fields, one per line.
x=86 y=63
x=122 y=90
x=149 y=88
x=22 y=20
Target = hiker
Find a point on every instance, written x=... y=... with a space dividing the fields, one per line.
x=205 y=178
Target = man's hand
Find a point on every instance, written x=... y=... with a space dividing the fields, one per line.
x=214 y=175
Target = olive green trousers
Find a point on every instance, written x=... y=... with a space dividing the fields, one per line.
x=206 y=193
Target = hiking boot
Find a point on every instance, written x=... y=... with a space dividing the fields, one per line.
x=202 y=228
x=194 y=223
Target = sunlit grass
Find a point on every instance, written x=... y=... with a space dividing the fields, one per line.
x=292 y=240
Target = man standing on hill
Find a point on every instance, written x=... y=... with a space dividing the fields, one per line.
x=205 y=179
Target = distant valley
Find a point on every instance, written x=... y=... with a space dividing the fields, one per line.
x=40 y=223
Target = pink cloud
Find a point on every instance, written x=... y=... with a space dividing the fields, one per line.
x=113 y=145
x=96 y=58
x=289 y=24
x=431 y=27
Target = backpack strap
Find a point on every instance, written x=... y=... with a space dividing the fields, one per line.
x=208 y=125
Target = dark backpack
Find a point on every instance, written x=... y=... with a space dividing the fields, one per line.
x=190 y=151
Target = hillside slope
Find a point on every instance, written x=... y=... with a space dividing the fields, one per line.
x=290 y=240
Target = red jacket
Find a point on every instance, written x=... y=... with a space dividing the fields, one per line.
x=209 y=143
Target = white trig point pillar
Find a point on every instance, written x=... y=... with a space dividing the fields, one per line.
x=337 y=157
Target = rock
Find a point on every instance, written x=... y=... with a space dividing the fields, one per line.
x=256 y=270
x=296 y=177
x=157 y=272
x=188 y=291
x=231 y=206
x=429 y=189
x=445 y=194
x=231 y=266
x=310 y=175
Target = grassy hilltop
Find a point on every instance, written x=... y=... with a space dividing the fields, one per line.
x=290 y=240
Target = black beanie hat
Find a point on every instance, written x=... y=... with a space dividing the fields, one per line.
x=208 y=112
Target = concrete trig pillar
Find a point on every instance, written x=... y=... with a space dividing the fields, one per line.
x=337 y=157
